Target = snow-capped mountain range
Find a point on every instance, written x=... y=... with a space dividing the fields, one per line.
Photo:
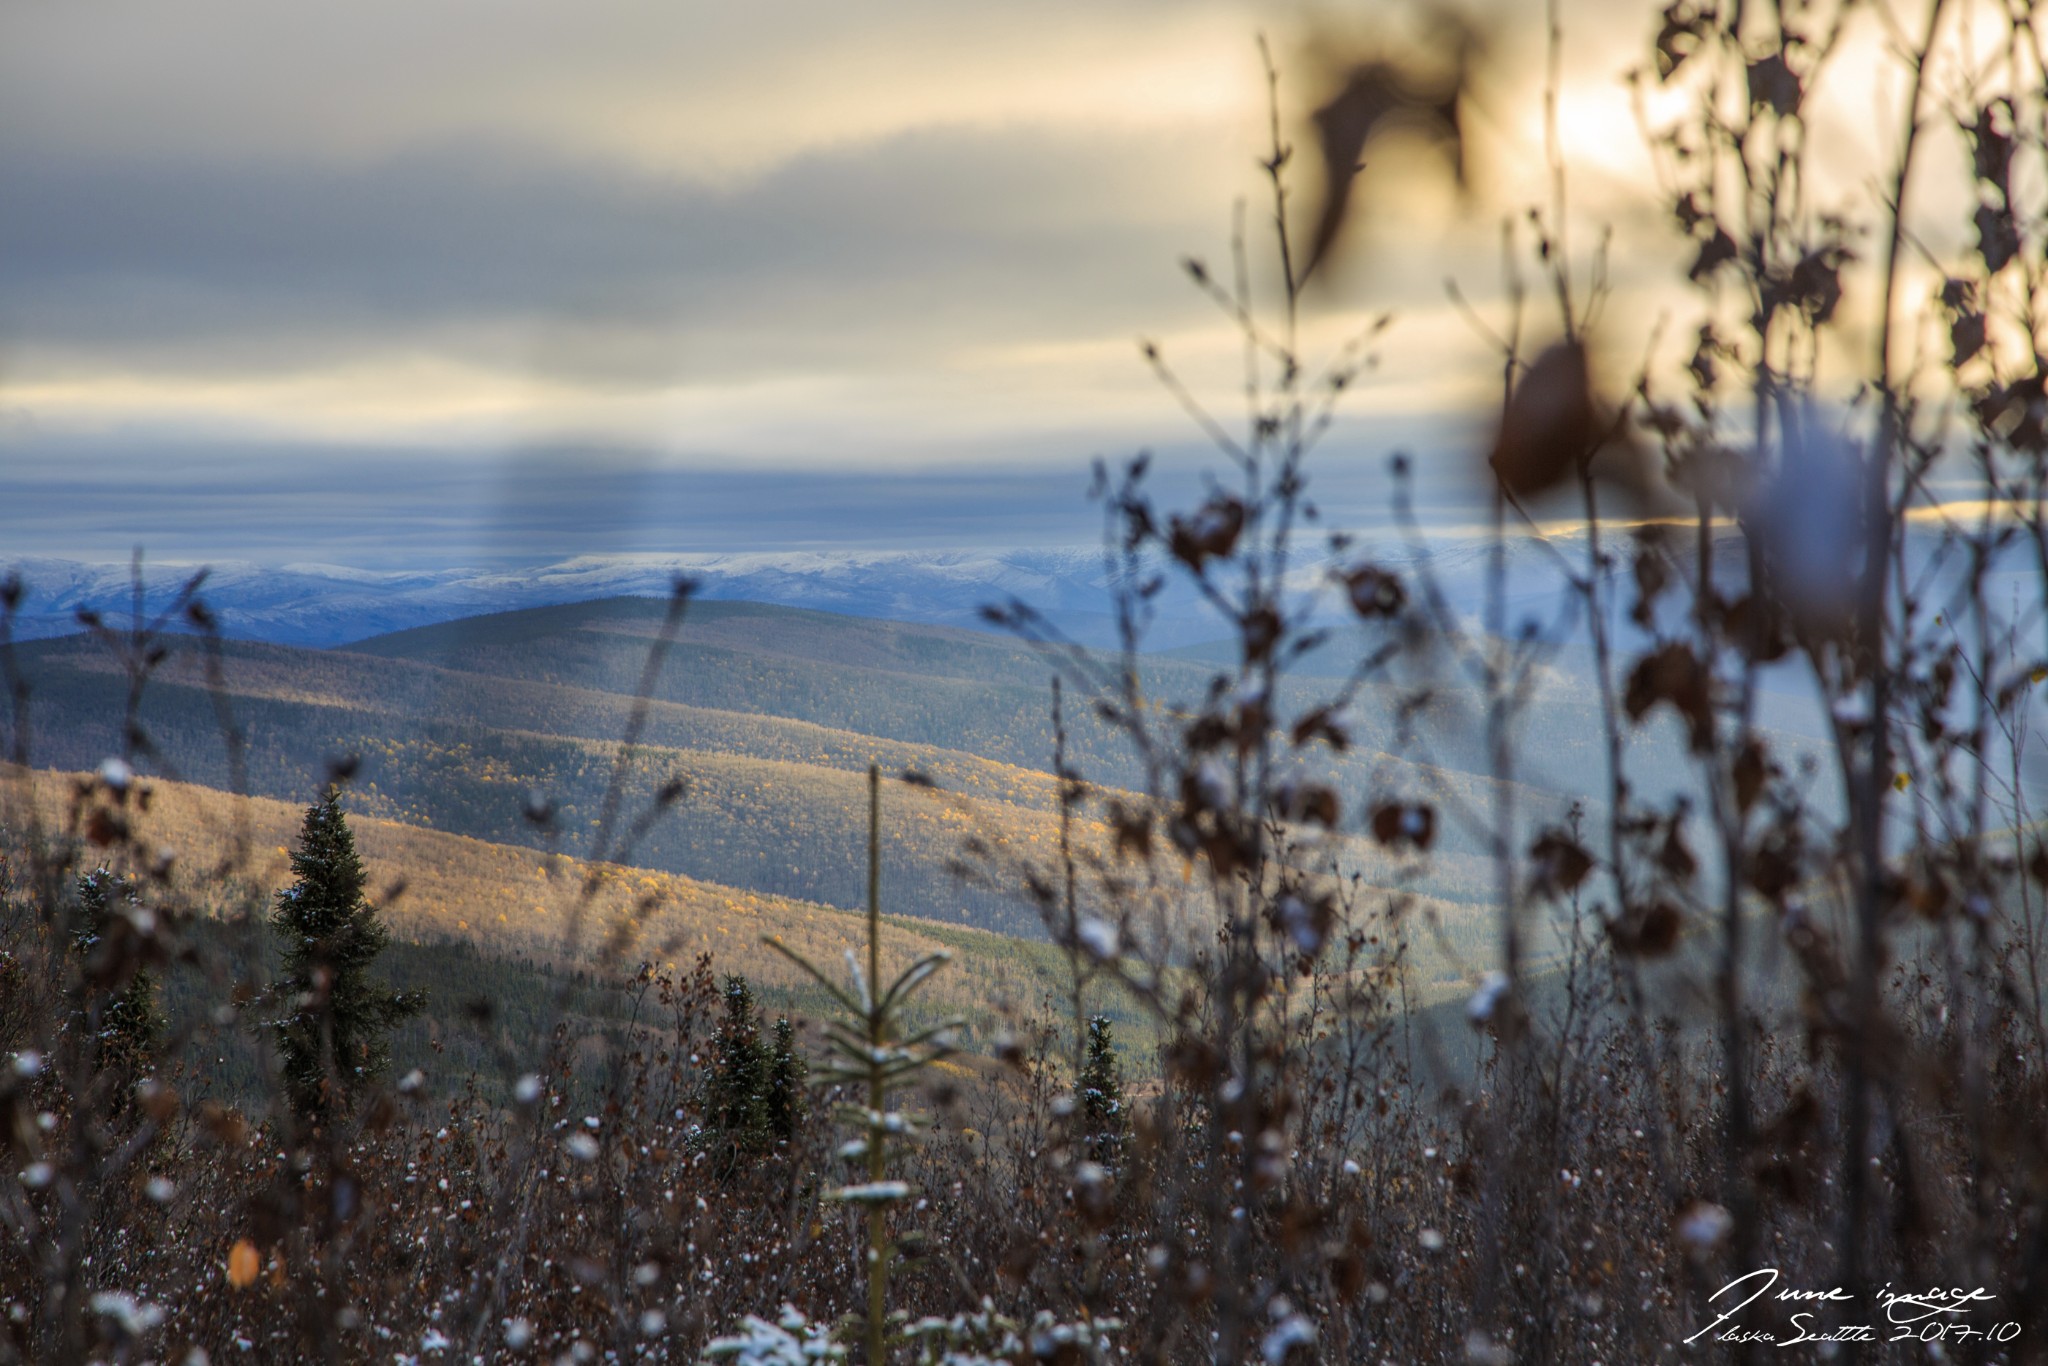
x=328 y=604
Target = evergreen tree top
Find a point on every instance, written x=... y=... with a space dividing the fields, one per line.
x=327 y=848
x=328 y=891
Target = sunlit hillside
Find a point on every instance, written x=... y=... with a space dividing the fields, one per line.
x=231 y=853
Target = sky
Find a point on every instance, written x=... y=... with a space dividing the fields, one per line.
x=396 y=283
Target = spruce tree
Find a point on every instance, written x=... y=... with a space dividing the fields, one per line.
x=736 y=1092
x=126 y=1025
x=784 y=1101
x=335 y=1020
x=1099 y=1096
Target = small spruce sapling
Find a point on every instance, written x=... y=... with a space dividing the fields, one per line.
x=785 y=1103
x=736 y=1093
x=872 y=1049
x=1099 y=1097
x=118 y=1004
x=333 y=1033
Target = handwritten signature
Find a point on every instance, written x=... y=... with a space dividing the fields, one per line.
x=1930 y=1315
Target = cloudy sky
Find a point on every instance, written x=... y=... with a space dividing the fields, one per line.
x=401 y=282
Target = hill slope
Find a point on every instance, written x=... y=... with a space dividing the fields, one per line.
x=770 y=714
x=516 y=901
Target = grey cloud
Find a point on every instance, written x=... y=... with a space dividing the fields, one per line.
x=913 y=246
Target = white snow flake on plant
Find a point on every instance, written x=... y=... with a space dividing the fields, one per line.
x=1492 y=987
x=872 y=1193
x=132 y=1316
x=986 y=1338
x=1703 y=1225
x=1099 y=937
x=1291 y=1329
x=792 y=1340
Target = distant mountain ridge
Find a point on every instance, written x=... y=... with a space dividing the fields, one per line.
x=325 y=604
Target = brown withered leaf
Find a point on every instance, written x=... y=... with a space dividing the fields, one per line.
x=2017 y=413
x=1715 y=252
x=1998 y=236
x=1758 y=626
x=1260 y=631
x=1750 y=770
x=2037 y=864
x=1815 y=285
x=1374 y=592
x=1646 y=931
x=1550 y=423
x=1966 y=336
x=1372 y=96
x=1774 y=84
x=243 y=1264
x=1652 y=578
x=1991 y=147
x=1319 y=725
x=1774 y=867
x=1561 y=862
x=1317 y=804
x=1673 y=674
x=1211 y=533
x=1133 y=830
x=1396 y=823
x=1675 y=858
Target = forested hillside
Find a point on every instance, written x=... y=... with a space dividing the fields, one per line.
x=549 y=909
x=768 y=714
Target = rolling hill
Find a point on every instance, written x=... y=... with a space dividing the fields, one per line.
x=770 y=714
x=230 y=856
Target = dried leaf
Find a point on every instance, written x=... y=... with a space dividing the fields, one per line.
x=1772 y=83
x=1397 y=823
x=1646 y=931
x=1675 y=858
x=1211 y=533
x=1991 y=147
x=1561 y=862
x=1372 y=95
x=1673 y=674
x=1751 y=768
x=1260 y=631
x=1966 y=335
x=1816 y=283
x=1549 y=425
x=1320 y=725
x=243 y=1264
x=1133 y=830
x=1998 y=237
x=1317 y=804
x=1715 y=252
x=1375 y=592
x=1652 y=578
